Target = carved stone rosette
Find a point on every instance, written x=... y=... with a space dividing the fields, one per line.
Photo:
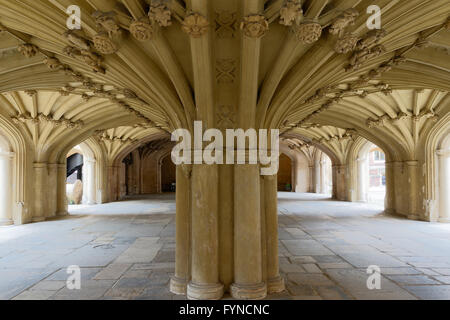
x=307 y=32
x=142 y=29
x=255 y=26
x=195 y=25
x=290 y=12
x=104 y=44
x=160 y=13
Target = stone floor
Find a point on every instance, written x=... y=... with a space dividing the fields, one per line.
x=126 y=251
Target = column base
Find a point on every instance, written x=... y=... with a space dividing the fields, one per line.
x=178 y=286
x=38 y=219
x=204 y=291
x=6 y=222
x=249 y=291
x=443 y=220
x=62 y=214
x=275 y=285
x=414 y=217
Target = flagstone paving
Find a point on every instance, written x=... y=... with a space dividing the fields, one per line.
x=126 y=250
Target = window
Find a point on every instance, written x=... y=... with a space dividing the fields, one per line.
x=378 y=156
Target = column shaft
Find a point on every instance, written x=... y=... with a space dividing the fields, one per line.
x=52 y=189
x=6 y=207
x=179 y=281
x=61 y=205
x=40 y=188
x=274 y=282
x=444 y=187
x=205 y=241
x=248 y=281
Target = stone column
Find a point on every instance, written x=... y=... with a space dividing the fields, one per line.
x=248 y=281
x=6 y=207
x=311 y=179
x=361 y=195
x=179 y=282
x=411 y=171
x=40 y=188
x=205 y=240
x=90 y=183
x=274 y=282
x=317 y=176
x=389 y=201
x=52 y=189
x=322 y=177
x=113 y=183
x=444 y=185
x=61 y=205
x=226 y=225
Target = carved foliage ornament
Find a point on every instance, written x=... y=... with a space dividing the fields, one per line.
x=195 y=25
x=160 y=13
x=28 y=50
x=106 y=21
x=142 y=29
x=226 y=118
x=225 y=69
x=347 y=18
x=104 y=44
x=225 y=24
x=255 y=26
x=346 y=44
x=290 y=12
x=109 y=29
x=307 y=32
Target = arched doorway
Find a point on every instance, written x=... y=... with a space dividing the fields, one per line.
x=81 y=176
x=371 y=165
x=74 y=174
x=6 y=170
x=323 y=173
x=444 y=180
x=168 y=175
x=284 y=177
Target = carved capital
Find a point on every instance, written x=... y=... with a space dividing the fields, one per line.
x=255 y=26
x=142 y=29
x=195 y=25
x=290 y=12
x=307 y=32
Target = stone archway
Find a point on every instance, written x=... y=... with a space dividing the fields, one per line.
x=444 y=180
x=371 y=174
x=168 y=174
x=285 y=179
